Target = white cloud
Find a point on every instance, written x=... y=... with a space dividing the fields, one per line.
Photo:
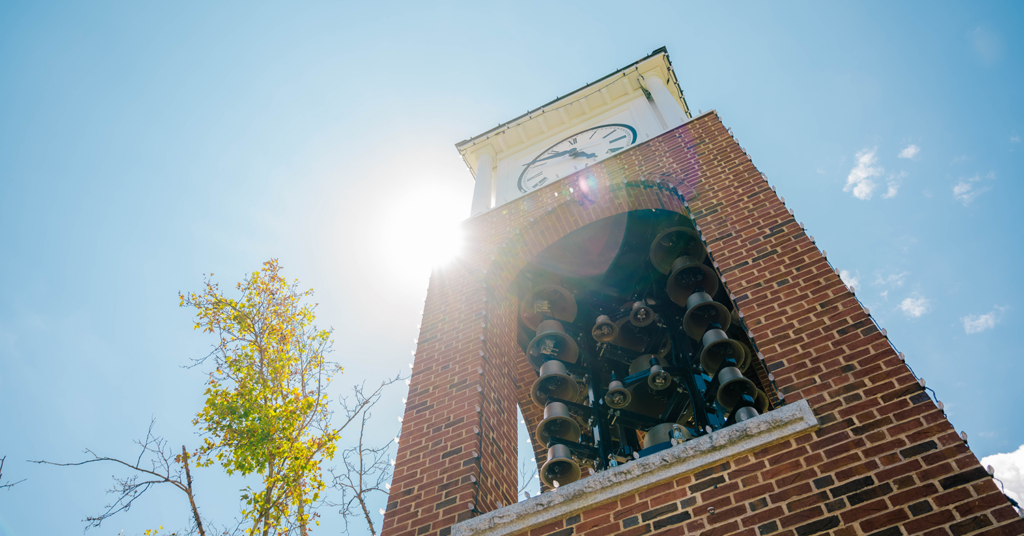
x=884 y=294
x=978 y=323
x=961 y=158
x=848 y=278
x=1015 y=139
x=1010 y=470
x=910 y=151
x=915 y=307
x=895 y=280
x=893 y=182
x=859 y=179
x=967 y=190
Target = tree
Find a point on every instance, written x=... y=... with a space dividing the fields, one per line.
x=266 y=408
x=266 y=413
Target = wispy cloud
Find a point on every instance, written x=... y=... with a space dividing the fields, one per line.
x=909 y=151
x=894 y=280
x=967 y=190
x=849 y=278
x=859 y=179
x=892 y=183
x=961 y=158
x=1009 y=469
x=1014 y=139
x=979 y=323
x=914 y=307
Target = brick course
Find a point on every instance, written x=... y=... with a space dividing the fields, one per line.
x=885 y=460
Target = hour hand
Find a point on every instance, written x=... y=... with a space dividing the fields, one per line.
x=584 y=154
x=549 y=157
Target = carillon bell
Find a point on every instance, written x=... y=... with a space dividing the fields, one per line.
x=554 y=381
x=701 y=311
x=551 y=342
x=687 y=275
x=673 y=243
x=618 y=396
x=664 y=432
x=604 y=329
x=658 y=379
x=550 y=300
x=560 y=466
x=644 y=398
x=558 y=422
x=641 y=315
x=717 y=348
x=732 y=385
x=761 y=401
x=745 y=413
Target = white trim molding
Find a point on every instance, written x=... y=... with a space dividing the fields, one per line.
x=757 y=433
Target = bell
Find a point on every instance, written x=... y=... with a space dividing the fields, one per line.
x=550 y=300
x=627 y=337
x=746 y=412
x=560 y=466
x=666 y=346
x=558 y=422
x=747 y=358
x=732 y=385
x=717 y=348
x=551 y=342
x=645 y=400
x=604 y=330
x=701 y=311
x=618 y=396
x=554 y=381
x=761 y=402
x=658 y=379
x=675 y=242
x=642 y=315
x=666 y=431
x=689 y=274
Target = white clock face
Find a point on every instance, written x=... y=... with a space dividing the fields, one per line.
x=575 y=153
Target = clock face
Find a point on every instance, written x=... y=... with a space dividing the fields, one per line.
x=575 y=153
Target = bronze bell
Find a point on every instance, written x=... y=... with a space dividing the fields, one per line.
x=618 y=396
x=666 y=431
x=717 y=348
x=551 y=342
x=644 y=399
x=701 y=311
x=658 y=379
x=675 y=242
x=604 y=329
x=558 y=422
x=745 y=413
x=554 y=381
x=641 y=315
x=628 y=338
x=761 y=402
x=666 y=346
x=689 y=274
x=559 y=467
x=732 y=385
x=550 y=300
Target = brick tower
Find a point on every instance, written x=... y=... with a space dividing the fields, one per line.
x=691 y=360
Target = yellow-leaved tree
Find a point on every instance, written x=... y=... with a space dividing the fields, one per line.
x=266 y=410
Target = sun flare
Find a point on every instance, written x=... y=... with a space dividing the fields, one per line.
x=423 y=229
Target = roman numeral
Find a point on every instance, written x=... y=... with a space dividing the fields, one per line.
x=608 y=134
x=572 y=141
x=617 y=139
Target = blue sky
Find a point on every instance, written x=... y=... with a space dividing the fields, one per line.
x=142 y=145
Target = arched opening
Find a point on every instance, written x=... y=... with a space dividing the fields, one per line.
x=633 y=344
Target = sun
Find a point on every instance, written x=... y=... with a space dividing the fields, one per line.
x=422 y=229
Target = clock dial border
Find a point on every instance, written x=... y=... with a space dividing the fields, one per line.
x=519 y=183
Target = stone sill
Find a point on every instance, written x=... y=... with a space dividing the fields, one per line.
x=759 y=432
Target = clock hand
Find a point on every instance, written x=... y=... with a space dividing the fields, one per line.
x=556 y=155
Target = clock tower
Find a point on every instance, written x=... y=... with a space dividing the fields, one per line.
x=686 y=358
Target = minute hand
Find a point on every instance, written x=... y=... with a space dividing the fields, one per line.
x=556 y=155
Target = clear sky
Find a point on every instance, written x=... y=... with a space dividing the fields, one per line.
x=144 y=144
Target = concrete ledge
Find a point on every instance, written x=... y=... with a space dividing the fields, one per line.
x=759 y=432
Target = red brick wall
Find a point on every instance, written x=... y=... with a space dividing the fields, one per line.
x=885 y=460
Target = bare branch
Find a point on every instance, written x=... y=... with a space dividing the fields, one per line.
x=6 y=485
x=527 y=472
x=163 y=468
